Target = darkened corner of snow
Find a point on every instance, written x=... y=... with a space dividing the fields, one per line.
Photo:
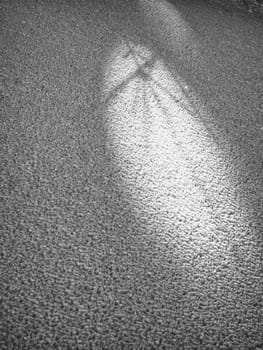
x=252 y=6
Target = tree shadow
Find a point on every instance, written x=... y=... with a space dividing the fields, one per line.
x=227 y=87
x=215 y=90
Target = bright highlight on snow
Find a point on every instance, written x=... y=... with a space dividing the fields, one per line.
x=169 y=164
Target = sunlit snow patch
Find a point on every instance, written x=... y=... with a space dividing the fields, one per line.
x=169 y=164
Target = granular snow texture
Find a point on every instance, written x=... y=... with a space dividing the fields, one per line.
x=131 y=176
